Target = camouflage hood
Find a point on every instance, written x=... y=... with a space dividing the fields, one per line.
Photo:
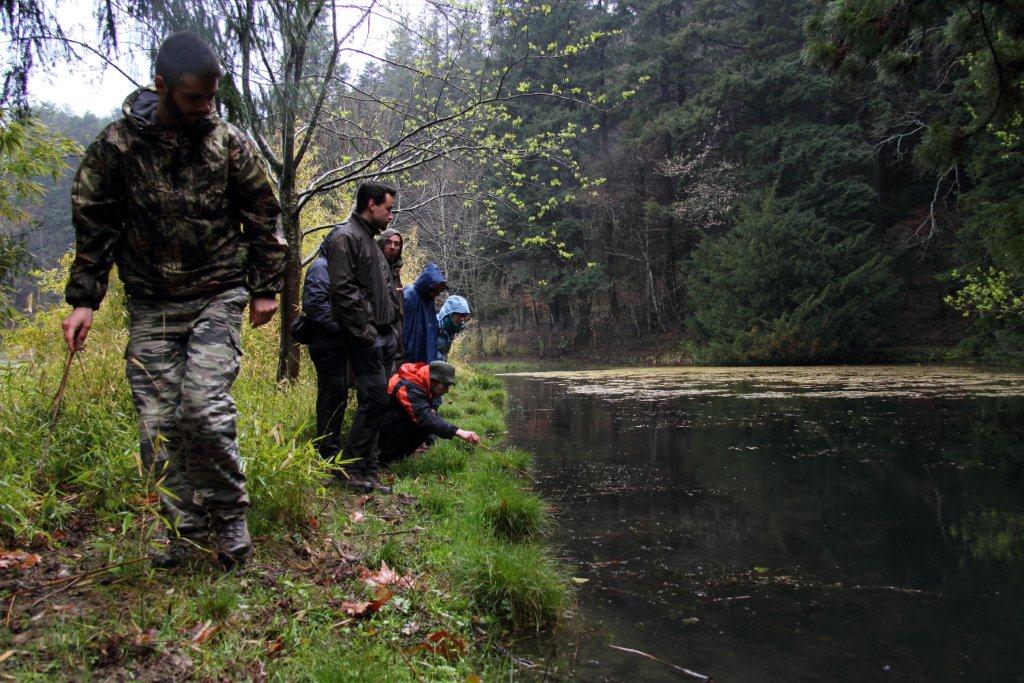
x=183 y=213
x=139 y=110
x=396 y=267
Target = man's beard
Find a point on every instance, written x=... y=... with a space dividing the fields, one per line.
x=178 y=115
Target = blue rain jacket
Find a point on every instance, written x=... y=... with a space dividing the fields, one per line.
x=446 y=327
x=316 y=299
x=419 y=330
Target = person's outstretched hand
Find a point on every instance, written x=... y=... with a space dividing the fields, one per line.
x=468 y=437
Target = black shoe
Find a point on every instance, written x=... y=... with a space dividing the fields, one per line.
x=376 y=485
x=361 y=482
x=179 y=551
x=234 y=544
x=354 y=481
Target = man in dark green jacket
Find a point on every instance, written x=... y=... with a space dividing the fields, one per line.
x=365 y=305
x=179 y=201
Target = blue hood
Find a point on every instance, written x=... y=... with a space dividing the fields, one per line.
x=419 y=325
x=453 y=304
x=430 y=277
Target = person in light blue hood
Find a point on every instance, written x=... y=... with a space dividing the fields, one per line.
x=450 y=321
x=419 y=329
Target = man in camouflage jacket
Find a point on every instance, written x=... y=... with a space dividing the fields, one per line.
x=179 y=201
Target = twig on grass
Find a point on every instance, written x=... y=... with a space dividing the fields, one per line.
x=688 y=672
x=57 y=592
x=10 y=611
x=508 y=463
x=412 y=530
x=82 y=575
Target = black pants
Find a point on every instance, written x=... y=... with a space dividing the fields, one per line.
x=399 y=437
x=331 y=365
x=370 y=365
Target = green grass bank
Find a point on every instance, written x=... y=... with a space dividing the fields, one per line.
x=462 y=533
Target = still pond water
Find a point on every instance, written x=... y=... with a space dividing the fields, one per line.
x=785 y=524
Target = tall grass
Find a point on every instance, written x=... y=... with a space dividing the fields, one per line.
x=474 y=538
x=89 y=460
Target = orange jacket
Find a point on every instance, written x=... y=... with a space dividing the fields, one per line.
x=409 y=388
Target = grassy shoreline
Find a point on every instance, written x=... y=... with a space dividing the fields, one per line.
x=462 y=533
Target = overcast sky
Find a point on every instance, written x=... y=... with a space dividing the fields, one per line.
x=87 y=86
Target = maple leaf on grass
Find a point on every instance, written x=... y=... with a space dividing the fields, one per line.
x=443 y=643
x=364 y=609
x=203 y=631
x=386 y=576
x=18 y=559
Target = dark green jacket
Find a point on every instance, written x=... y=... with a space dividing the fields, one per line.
x=181 y=214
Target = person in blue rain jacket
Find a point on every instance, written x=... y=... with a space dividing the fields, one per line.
x=450 y=321
x=419 y=329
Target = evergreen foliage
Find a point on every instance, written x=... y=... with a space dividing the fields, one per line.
x=593 y=172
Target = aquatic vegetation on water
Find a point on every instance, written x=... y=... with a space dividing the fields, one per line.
x=788 y=382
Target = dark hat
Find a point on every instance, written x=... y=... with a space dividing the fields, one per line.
x=442 y=372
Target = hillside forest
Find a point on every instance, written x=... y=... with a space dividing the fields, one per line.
x=753 y=181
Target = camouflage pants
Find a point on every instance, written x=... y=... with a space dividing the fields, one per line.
x=182 y=359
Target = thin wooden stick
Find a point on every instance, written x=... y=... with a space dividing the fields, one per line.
x=57 y=592
x=91 y=572
x=10 y=611
x=412 y=530
x=692 y=674
x=58 y=398
x=506 y=461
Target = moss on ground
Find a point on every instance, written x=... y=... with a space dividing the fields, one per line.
x=462 y=532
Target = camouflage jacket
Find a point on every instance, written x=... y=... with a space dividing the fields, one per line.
x=182 y=214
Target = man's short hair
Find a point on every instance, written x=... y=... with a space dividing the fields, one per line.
x=186 y=53
x=378 y=192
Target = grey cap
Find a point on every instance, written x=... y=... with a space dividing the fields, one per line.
x=442 y=372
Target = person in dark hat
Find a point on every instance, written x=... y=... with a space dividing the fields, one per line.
x=411 y=418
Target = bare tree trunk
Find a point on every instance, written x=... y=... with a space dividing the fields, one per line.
x=288 y=355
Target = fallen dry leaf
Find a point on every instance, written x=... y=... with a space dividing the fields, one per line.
x=473 y=678
x=381 y=597
x=365 y=609
x=356 y=516
x=5 y=656
x=203 y=632
x=386 y=576
x=145 y=638
x=313 y=524
x=18 y=559
x=273 y=647
x=361 y=500
x=355 y=609
x=443 y=643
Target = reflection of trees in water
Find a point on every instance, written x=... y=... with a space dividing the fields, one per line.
x=889 y=530
x=864 y=490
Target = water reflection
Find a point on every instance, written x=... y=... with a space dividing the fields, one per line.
x=786 y=524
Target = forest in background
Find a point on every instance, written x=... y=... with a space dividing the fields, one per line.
x=750 y=181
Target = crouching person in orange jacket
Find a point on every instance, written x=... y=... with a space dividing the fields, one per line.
x=411 y=418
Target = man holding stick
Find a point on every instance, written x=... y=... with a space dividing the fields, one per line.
x=179 y=201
